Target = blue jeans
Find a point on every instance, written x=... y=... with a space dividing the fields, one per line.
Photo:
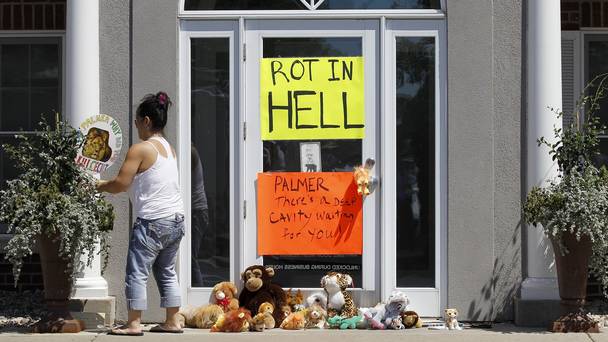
x=154 y=244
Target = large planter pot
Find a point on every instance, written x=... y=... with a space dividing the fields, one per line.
x=572 y=272
x=57 y=289
x=572 y=268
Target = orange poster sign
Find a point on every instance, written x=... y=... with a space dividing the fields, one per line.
x=309 y=213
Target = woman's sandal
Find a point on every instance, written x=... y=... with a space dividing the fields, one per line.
x=161 y=329
x=124 y=332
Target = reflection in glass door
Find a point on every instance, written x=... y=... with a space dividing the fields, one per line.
x=209 y=181
x=207 y=161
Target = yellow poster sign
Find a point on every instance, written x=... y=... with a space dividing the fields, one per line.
x=312 y=98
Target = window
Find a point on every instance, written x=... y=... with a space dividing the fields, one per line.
x=209 y=5
x=30 y=88
x=32 y=15
x=596 y=52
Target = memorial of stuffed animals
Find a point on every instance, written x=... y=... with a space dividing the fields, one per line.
x=264 y=305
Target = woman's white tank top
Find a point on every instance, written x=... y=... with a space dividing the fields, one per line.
x=155 y=192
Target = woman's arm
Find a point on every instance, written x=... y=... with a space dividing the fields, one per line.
x=127 y=172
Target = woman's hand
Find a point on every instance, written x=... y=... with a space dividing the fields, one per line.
x=100 y=184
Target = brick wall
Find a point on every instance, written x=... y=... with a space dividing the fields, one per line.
x=31 y=275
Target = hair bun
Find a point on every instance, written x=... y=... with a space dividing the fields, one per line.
x=162 y=98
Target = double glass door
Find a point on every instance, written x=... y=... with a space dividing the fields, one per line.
x=391 y=98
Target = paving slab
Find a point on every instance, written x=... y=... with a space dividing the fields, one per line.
x=499 y=333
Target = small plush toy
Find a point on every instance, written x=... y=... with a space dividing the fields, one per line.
x=373 y=317
x=411 y=319
x=267 y=310
x=396 y=304
x=451 y=322
x=202 y=317
x=318 y=298
x=339 y=301
x=258 y=288
x=396 y=324
x=315 y=317
x=344 y=323
x=295 y=321
x=295 y=301
x=362 y=175
x=233 y=321
x=257 y=323
x=224 y=295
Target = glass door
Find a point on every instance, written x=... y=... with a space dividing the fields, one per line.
x=320 y=119
x=208 y=152
x=414 y=149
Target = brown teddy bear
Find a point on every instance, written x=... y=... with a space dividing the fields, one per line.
x=259 y=289
x=233 y=321
x=224 y=295
x=315 y=317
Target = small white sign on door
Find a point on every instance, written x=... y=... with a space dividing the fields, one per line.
x=310 y=156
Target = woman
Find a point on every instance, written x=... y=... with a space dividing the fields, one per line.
x=150 y=174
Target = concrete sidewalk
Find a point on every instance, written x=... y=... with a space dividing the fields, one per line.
x=500 y=332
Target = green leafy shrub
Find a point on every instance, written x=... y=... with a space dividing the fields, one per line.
x=53 y=197
x=577 y=200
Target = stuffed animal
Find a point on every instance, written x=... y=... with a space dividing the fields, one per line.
x=396 y=324
x=363 y=175
x=451 y=322
x=224 y=295
x=295 y=301
x=396 y=304
x=411 y=319
x=315 y=317
x=233 y=321
x=344 y=323
x=257 y=323
x=339 y=301
x=202 y=317
x=373 y=317
x=267 y=310
x=258 y=289
x=295 y=321
x=318 y=298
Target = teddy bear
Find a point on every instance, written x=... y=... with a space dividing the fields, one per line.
x=339 y=301
x=451 y=323
x=363 y=175
x=315 y=317
x=411 y=319
x=224 y=295
x=202 y=317
x=233 y=321
x=396 y=304
x=258 y=288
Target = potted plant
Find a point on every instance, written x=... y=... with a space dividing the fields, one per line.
x=53 y=204
x=573 y=208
